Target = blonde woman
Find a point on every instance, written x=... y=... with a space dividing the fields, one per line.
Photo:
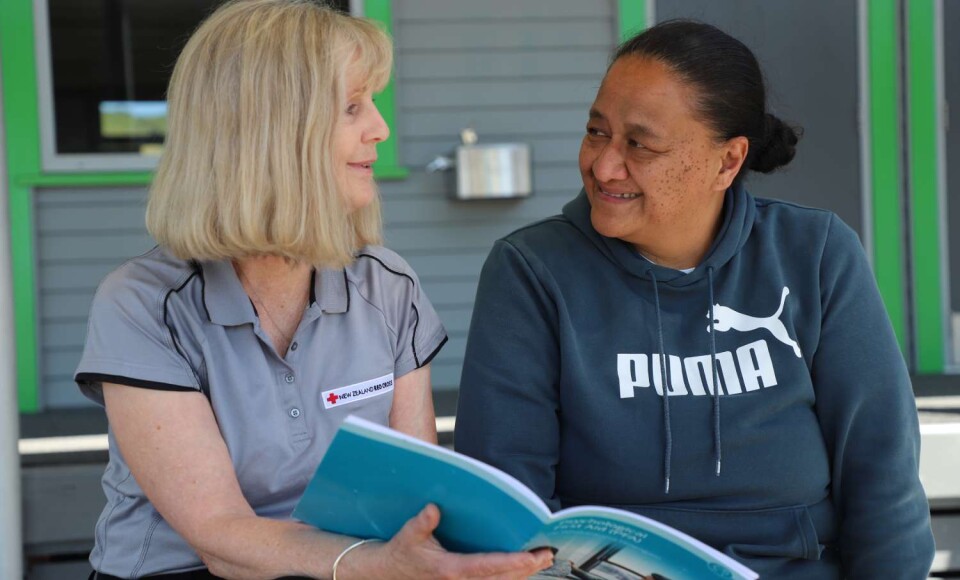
x=221 y=354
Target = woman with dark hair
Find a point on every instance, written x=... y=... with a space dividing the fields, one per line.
x=673 y=346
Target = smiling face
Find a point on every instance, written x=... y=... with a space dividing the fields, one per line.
x=655 y=173
x=358 y=129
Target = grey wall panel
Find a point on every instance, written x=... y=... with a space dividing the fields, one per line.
x=461 y=36
x=515 y=71
x=474 y=94
x=808 y=52
x=516 y=123
x=430 y=211
x=498 y=11
x=500 y=65
x=554 y=150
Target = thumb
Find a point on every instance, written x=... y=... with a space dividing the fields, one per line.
x=422 y=525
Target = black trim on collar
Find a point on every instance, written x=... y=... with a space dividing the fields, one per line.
x=131 y=382
x=413 y=340
x=313 y=286
x=203 y=287
x=346 y=289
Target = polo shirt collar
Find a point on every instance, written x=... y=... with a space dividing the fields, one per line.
x=227 y=302
x=330 y=290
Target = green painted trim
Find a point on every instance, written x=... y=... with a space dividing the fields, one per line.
x=924 y=125
x=86 y=179
x=390 y=172
x=388 y=155
x=632 y=17
x=885 y=160
x=22 y=126
x=22 y=121
x=24 y=298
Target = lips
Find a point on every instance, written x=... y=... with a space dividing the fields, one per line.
x=616 y=195
x=362 y=164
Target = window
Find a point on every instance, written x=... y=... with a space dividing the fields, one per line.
x=103 y=76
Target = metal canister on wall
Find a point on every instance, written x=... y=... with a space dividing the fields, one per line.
x=488 y=171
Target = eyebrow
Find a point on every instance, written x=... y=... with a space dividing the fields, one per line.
x=632 y=128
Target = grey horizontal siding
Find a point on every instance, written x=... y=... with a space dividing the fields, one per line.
x=515 y=71
x=496 y=11
x=482 y=94
x=463 y=36
x=561 y=63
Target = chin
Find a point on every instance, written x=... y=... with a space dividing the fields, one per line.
x=605 y=226
x=360 y=199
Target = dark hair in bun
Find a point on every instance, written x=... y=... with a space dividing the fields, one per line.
x=732 y=94
x=778 y=146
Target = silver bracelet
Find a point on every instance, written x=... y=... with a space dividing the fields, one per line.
x=347 y=551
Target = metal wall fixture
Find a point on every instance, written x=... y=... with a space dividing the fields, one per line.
x=488 y=171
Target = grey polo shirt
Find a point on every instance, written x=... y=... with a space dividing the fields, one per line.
x=158 y=322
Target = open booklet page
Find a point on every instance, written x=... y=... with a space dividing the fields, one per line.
x=596 y=543
x=373 y=479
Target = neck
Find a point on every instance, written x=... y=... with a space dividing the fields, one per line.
x=280 y=290
x=272 y=276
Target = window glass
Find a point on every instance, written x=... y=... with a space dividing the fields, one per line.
x=111 y=61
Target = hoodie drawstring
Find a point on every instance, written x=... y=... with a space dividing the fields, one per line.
x=713 y=366
x=665 y=381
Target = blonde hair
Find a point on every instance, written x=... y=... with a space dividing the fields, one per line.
x=252 y=105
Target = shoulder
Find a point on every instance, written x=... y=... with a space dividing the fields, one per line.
x=542 y=232
x=146 y=280
x=375 y=263
x=806 y=225
x=788 y=213
x=806 y=232
x=552 y=237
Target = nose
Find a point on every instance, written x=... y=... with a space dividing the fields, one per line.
x=609 y=164
x=378 y=130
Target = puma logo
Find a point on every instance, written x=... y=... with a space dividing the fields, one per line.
x=726 y=318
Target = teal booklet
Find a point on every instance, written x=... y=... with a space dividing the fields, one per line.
x=373 y=479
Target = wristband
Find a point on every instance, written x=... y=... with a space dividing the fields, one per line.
x=347 y=551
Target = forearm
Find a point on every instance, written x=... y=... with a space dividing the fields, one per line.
x=253 y=548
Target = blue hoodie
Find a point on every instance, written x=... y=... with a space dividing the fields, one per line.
x=789 y=439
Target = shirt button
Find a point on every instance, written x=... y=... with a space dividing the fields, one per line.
x=294 y=346
x=289 y=378
x=294 y=412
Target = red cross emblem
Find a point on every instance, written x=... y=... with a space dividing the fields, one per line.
x=332 y=399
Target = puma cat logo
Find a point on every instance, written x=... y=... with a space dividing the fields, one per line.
x=726 y=318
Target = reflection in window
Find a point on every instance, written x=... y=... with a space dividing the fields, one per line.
x=111 y=62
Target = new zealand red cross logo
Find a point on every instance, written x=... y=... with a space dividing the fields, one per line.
x=332 y=399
